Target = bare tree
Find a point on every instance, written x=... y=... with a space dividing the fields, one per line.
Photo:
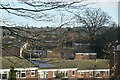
x=93 y=20
x=36 y=10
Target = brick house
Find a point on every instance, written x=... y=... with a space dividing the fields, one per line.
x=22 y=73
x=85 y=56
x=50 y=73
x=4 y=74
x=36 y=53
x=69 y=69
x=35 y=73
x=27 y=73
x=98 y=73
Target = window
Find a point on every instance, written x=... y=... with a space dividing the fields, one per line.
x=98 y=74
x=23 y=74
x=4 y=76
x=81 y=73
x=102 y=72
x=66 y=74
x=73 y=73
x=63 y=73
x=0 y=76
x=46 y=74
x=41 y=74
x=91 y=74
x=32 y=73
x=81 y=54
x=84 y=74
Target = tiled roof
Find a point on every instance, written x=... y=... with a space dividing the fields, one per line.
x=82 y=64
x=6 y=62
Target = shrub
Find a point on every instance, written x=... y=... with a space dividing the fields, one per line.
x=59 y=75
x=12 y=75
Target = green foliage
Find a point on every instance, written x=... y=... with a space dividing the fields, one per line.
x=12 y=75
x=59 y=75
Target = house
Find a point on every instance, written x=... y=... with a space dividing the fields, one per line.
x=73 y=73
x=36 y=53
x=76 y=69
x=68 y=68
x=22 y=73
x=78 y=44
x=62 y=53
x=27 y=73
x=51 y=73
x=82 y=56
x=4 y=74
x=25 y=70
x=86 y=56
x=92 y=55
x=35 y=73
x=98 y=73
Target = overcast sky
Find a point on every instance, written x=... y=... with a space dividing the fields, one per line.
x=109 y=6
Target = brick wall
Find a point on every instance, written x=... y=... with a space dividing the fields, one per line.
x=50 y=74
x=85 y=56
x=28 y=74
x=81 y=56
x=70 y=74
x=87 y=75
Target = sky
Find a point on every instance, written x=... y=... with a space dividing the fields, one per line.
x=108 y=6
x=111 y=7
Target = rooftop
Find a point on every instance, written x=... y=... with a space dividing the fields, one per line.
x=81 y=64
x=88 y=53
x=18 y=62
x=58 y=63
